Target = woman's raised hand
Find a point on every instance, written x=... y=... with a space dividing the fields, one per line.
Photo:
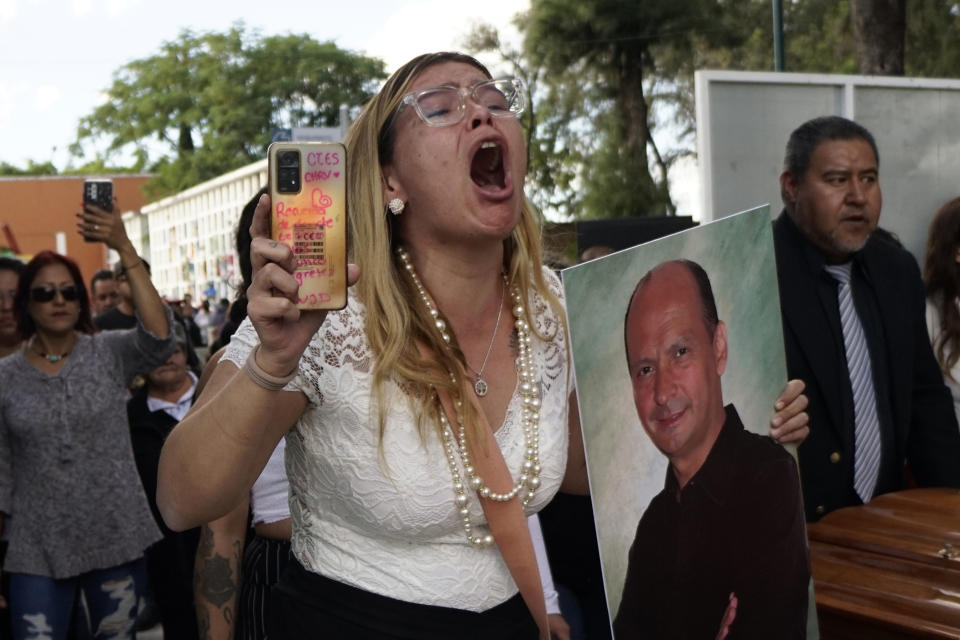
x=99 y=225
x=284 y=330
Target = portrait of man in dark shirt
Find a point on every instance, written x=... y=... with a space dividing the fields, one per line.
x=721 y=550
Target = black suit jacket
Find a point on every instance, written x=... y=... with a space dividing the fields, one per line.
x=920 y=428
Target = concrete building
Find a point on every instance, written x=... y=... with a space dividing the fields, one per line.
x=189 y=237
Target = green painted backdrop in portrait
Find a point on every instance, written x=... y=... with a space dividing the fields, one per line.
x=626 y=470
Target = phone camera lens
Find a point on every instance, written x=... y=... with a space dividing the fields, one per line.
x=288 y=159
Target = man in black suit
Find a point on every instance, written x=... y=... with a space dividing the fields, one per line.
x=878 y=405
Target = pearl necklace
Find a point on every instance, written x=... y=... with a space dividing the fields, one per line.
x=455 y=444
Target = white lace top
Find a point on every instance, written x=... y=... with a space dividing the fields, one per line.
x=387 y=524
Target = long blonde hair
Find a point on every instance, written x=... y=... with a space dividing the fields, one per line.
x=395 y=319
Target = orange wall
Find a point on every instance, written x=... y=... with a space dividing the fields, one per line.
x=37 y=207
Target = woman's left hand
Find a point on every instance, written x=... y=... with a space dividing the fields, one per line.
x=97 y=225
x=790 y=422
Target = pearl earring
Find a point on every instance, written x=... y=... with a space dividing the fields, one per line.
x=396 y=206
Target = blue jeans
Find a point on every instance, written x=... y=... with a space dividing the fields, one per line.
x=40 y=607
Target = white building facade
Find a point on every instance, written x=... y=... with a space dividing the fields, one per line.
x=189 y=237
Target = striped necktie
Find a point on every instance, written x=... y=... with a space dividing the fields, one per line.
x=866 y=463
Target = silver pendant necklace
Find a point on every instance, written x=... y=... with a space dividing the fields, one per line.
x=455 y=436
x=480 y=386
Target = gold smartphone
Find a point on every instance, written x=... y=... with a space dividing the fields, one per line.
x=308 y=199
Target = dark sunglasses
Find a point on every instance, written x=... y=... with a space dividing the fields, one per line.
x=47 y=292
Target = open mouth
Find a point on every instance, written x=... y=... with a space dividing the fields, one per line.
x=486 y=169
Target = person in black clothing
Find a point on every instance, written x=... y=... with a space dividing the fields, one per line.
x=570 y=537
x=185 y=312
x=722 y=549
x=103 y=291
x=154 y=410
x=901 y=417
x=122 y=315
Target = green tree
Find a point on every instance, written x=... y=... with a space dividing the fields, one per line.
x=608 y=70
x=879 y=30
x=600 y=52
x=206 y=103
x=933 y=38
x=552 y=168
x=821 y=37
x=32 y=169
x=606 y=74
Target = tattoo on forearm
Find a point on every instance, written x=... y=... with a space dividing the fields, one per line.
x=215 y=582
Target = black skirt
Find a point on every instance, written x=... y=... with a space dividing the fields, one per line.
x=307 y=605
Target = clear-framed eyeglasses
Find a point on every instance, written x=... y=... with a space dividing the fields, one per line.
x=444 y=106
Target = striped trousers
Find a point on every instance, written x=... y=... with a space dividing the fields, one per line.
x=264 y=559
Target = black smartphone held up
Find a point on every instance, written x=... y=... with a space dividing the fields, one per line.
x=98 y=193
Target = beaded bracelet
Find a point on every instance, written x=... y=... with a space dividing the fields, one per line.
x=263 y=379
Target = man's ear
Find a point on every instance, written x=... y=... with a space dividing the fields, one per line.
x=788 y=189
x=720 y=347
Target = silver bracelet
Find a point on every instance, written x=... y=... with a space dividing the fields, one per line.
x=263 y=379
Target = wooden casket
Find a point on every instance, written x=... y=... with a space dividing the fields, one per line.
x=890 y=568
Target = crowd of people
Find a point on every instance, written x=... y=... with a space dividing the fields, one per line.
x=347 y=472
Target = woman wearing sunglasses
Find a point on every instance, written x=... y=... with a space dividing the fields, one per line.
x=432 y=414
x=73 y=509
